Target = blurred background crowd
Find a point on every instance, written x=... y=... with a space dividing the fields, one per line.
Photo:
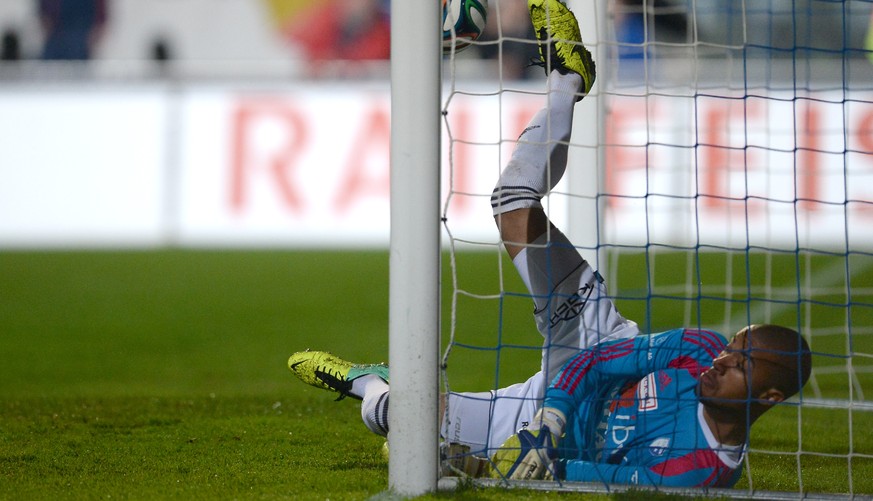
x=313 y=36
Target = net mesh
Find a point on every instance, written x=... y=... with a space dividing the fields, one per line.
x=734 y=145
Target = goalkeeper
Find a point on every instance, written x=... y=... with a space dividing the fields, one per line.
x=621 y=407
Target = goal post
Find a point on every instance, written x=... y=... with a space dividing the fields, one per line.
x=414 y=297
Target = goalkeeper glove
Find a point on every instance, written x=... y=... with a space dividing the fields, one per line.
x=529 y=454
x=526 y=455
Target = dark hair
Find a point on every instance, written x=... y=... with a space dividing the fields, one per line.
x=792 y=348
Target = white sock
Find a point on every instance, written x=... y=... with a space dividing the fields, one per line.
x=368 y=383
x=374 y=411
x=540 y=156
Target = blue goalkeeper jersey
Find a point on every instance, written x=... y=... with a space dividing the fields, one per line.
x=634 y=416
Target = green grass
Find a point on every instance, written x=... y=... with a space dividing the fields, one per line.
x=161 y=374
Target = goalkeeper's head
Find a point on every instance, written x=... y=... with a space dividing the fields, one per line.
x=762 y=366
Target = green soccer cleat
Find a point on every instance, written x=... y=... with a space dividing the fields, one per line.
x=560 y=42
x=328 y=372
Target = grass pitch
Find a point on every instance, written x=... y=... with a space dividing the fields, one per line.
x=161 y=375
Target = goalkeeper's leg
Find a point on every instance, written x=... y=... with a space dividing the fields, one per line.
x=365 y=382
x=481 y=421
x=563 y=285
x=537 y=164
x=572 y=308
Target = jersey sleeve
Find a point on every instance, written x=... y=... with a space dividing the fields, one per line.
x=612 y=363
x=702 y=474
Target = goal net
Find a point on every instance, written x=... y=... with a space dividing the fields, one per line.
x=720 y=175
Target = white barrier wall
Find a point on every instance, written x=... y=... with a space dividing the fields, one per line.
x=308 y=166
x=776 y=172
x=82 y=168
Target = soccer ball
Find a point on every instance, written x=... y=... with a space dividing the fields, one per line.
x=463 y=22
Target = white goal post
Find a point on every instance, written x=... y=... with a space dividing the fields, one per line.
x=415 y=249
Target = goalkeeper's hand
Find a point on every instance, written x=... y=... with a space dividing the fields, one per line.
x=528 y=455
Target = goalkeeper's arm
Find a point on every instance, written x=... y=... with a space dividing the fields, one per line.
x=629 y=360
x=662 y=474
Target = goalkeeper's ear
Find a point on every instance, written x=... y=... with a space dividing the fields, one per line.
x=772 y=397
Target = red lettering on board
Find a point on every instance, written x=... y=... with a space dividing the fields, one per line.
x=714 y=157
x=367 y=172
x=861 y=141
x=724 y=160
x=249 y=161
x=623 y=157
x=809 y=156
x=457 y=165
x=863 y=133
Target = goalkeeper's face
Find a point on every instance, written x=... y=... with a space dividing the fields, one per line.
x=743 y=374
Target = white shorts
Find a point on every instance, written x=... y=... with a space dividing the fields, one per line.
x=572 y=312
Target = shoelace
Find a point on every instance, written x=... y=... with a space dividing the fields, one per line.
x=342 y=391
